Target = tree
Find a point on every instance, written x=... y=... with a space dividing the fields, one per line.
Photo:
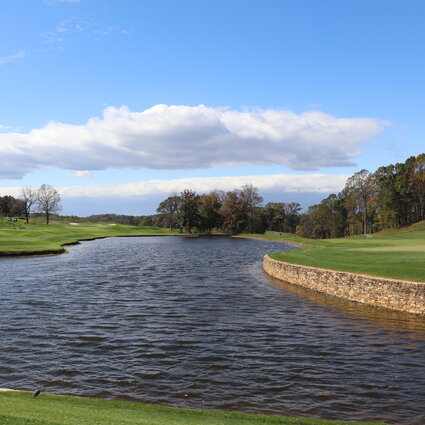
x=18 y=208
x=48 y=200
x=169 y=208
x=396 y=194
x=233 y=213
x=29 y=199
x=281 y=216
x=362 y=187
x=418 y=179
x=209 y=211
x=251 y=199
x=189 y=209
x=6 y=204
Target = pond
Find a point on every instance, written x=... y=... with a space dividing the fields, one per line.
x=197 y=323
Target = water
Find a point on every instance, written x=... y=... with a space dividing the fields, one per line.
x=197 y=323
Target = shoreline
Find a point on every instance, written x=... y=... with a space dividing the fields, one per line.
x=395 y=294
x=62 y=250
x=88 y=410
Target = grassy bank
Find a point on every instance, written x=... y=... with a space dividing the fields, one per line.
x=398 y=254
x=18 y=238
x=19 y=408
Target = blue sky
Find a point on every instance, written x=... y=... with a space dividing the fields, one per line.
x=119 y=103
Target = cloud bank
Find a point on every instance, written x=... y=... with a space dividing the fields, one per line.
x=189 y=137
x=295 y=183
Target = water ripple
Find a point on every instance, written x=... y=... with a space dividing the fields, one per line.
x=195 y=322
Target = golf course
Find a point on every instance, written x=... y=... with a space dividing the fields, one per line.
x=393 y=253
x=20 y=408
x=398 y=253
x=19 y=238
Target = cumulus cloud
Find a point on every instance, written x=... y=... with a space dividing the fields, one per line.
x=189 y=137
x=83 y=174
x=311 y=183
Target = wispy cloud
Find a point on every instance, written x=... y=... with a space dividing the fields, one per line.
x=189 y=137
x=75 y=27
x=82 y=174
x=12 y=58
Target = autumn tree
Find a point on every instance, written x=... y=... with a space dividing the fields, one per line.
x=281 y=216
x=209 y=211
x=361 y=186
x=48 y=200
x=250 y=199
x=233 y=213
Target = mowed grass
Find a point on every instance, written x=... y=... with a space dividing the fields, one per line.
x=19 y=408
x=398 y=254
x=18 y=238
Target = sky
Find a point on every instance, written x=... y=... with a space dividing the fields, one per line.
x=119 y=104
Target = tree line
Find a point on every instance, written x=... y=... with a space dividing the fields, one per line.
x=232 y=212
x=45 y=200
x=393 y=196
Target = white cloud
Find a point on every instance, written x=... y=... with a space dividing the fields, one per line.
x=185 y=137
x=312 y=183
x=12 y=58
x=143 y=197
x=83 y=174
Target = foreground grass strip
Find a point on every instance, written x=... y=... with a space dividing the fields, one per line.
x=19 y=408
x=397 y=254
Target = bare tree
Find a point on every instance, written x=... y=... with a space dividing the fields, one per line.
x=29 y=199
x=48 y=200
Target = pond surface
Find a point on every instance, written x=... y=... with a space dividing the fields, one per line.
x=196 y=322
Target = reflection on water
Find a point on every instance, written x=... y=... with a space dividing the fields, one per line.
x=369 y=317
x=196 y=322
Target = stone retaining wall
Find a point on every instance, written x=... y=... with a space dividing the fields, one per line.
x=400 y=295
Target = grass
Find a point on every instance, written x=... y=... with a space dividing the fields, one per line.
x=18 y=238
x=19 y=408
x=398 y=254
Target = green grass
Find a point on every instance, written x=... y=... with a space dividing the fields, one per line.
x=398 y=254
x=19 y=408
x=18 y=238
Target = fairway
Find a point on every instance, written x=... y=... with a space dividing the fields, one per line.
x=398 y=254
x=20 y=408
x=18 y=238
